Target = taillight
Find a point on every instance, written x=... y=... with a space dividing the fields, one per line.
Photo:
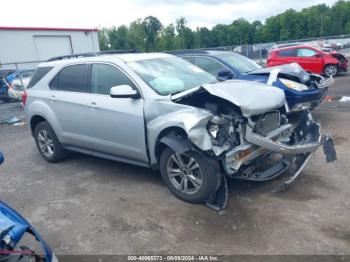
x=24 y=97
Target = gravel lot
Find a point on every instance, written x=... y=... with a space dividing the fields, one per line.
x=87 y=205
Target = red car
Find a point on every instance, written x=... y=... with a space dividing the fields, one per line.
x=310 y=58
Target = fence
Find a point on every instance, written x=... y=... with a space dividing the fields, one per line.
x=259 y=52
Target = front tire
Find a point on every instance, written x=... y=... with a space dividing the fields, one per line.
x=330 y=70
x=189 y=176
x=47 y=143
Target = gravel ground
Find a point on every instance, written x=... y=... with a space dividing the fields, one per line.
x=87 y=205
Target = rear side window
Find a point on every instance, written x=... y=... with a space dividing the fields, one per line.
x=287 y=53
x=104 y=77
x=72 y=78
x=38 y=75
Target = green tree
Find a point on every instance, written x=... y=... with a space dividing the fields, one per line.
x=137 y=35
x=118 y=38
x=148 y=34
x=167 y=38
x=220 y=35
x=103 y=38
x=152 y=27
x=203 y=37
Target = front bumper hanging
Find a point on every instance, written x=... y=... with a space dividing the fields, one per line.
x=329 y=151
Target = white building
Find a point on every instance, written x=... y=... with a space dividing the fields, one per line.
x=24 y=44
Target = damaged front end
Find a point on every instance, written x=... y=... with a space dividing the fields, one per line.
x=303 y=89
x=343 y=62
x=252 y=141
x=273 y=143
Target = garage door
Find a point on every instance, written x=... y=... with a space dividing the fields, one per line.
x=50 y=46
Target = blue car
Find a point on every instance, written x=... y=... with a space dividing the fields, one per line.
x=303 y=90
x=13 y=227
x=4 y=86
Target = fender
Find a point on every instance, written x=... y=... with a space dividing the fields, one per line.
x=176 y=143
x=40 y=108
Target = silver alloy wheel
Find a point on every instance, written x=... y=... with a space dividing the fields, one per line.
x=184 y=173
x=45 y=143
x=331 y=70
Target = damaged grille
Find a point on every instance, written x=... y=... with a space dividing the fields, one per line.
x=324 y=82
x=267 y=122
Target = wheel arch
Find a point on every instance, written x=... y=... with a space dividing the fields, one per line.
x=39 y=111
x=174 y=137
x=34 y=121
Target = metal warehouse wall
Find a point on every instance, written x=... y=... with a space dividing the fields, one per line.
x=37 y=45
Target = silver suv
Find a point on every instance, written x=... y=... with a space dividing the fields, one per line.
x=156 y=110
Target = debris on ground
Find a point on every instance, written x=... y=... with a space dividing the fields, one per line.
x=345 y=99
x=13 y=121
x=337 y=98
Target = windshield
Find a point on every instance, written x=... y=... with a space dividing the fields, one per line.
x=239 y=62
x=170 y=75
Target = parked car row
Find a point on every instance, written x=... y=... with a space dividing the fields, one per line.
x=302 y=90
x=335 y=44
x=197 y=118
x=311 y=58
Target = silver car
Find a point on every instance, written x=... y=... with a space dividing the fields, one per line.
x=159 y=111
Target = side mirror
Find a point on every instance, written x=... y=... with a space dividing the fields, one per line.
x=124 y=91
x=224 y=74
x=318 y=55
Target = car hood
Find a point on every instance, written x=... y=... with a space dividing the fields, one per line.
x=292 y=69
x=252 y=98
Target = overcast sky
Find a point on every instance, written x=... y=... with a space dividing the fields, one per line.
x=92 y=14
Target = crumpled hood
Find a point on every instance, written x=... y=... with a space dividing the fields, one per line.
x=293 y=69
x=252 y=98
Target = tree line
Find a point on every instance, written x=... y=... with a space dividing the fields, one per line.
x=149 y=34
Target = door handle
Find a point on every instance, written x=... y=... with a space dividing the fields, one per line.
x=52 y=98
x=93 y=105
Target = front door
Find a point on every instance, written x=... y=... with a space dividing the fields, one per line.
x=309 y=59
x=117 y=124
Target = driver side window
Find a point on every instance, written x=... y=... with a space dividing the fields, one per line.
x=209 y=65
x=104 y=77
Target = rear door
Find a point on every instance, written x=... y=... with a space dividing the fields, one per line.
x=117 y=124
x=69 y=98
x=285 y=56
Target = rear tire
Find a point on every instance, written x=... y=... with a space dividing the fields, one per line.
x=330 y=70
x=198 y=174
x=47 y=143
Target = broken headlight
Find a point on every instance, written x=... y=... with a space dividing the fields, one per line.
x=294 y=85
x=213 y=130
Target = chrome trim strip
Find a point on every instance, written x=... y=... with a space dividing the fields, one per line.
x=297 y=173
x=278 y=147
x=326 y=82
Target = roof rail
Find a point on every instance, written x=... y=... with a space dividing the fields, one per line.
x=199 y=50
x=187 y=51
x=92 y=54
